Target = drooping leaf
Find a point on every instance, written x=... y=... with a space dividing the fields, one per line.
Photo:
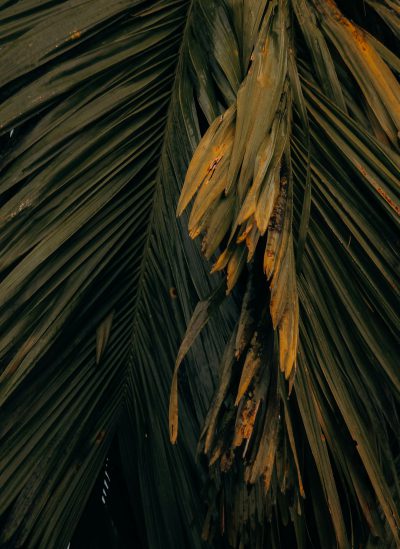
x=96 y=142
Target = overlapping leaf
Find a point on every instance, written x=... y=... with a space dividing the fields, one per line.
x=99 y=279
x=85 y=89
x=243 y=432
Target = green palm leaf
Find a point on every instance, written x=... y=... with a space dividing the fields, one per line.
x=275 y=124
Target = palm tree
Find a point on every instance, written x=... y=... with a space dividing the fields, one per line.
x=212 y=184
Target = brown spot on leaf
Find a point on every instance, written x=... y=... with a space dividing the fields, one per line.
x=226 y=461
x=387 y=198
x=173 y=294
x=75 y=35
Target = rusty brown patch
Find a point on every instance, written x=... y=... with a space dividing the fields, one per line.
x=173 y=294
x=75 y=35
x=387 y=198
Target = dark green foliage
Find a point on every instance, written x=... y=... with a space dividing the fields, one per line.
x=103 y=104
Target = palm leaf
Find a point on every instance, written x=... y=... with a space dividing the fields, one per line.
x=295 y=111
x=83 y=117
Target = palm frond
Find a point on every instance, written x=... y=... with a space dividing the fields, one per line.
x=345 y=285
x=271 y=127
x=85 y=88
